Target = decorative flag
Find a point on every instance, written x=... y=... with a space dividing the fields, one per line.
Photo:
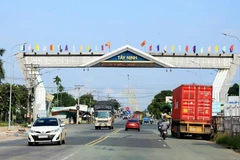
x=51 y=47
x=96 y=48
x=66 y=48
x=73 y=48
x=88 y=48
x=29 y=47
x=165 y=49
x=201 y=50
x=23 y=47
x=158 y=47
x=231 y=48
x=172 y=48
x=81 y=48
x=216 y=48
x=143 y=43
x=150 y=48
x=180 y=48
x=224 y=49
x=186 y=48
x=209 y=49
x=36 y=47
x=59 y=48
x=102 y=47
x=108 y=44
x=45 y=48
x=194 y=49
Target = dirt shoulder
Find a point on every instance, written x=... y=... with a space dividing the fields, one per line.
x=15 y=133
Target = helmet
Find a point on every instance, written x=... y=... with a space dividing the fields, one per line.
x=163 y=120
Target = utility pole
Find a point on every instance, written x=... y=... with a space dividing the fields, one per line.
x=78 y=105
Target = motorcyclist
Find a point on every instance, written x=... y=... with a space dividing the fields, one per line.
x=164 y=125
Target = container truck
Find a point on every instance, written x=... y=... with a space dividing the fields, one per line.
x=192 y=111
x=104 y=114
x=138 y=115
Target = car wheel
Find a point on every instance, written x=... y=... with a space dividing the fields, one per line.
x=30 y=143
x=126 y=129
x=138 y=130
x=60 y=141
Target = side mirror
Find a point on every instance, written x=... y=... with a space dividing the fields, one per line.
x=29 y=126
x=62 y=125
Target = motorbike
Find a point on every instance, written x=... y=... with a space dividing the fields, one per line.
x=163 y=133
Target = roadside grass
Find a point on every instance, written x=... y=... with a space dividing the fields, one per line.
x=3 y=124
x=232 y=142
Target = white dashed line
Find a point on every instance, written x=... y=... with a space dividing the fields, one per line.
x=67 y=157
x=164 y=145
x=159 y=140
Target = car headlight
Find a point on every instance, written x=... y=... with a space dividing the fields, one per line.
x=55 y=130
x=32 y=131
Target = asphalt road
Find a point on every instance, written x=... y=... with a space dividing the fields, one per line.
x=84 y=142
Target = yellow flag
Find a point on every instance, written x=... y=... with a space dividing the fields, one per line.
x=88 y=48
x=81 y=48
x=172 y=48
x=216 y=48
x=36 y=47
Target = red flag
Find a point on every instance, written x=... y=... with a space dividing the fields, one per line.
x=186 y=48
x=143 y=43
x=231 y=48
x=51 y=47
x=102 y=47
x=107 y=44
x=150 y=48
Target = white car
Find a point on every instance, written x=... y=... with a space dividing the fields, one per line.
x=48 y=129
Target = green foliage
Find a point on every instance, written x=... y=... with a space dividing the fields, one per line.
x=65 y=99
x=234 y=90
x=158 y=104
x=2 y=124
x=2 y=71
x=228 y=141
x=24 y=124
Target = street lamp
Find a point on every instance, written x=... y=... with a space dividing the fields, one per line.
x=10 y=96
x=238 y=66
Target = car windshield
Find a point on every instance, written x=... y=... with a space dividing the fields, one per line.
x=46 y=122
x=102 y=114
x=132 y=120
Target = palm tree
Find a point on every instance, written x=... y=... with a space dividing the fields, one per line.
x=2 y=72
x=57 y=81
x=61 y=88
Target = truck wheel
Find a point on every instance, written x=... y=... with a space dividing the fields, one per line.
x=96 y=127
x=206 y=137
x=112 y=127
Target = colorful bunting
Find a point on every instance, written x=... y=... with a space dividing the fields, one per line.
x=108 y=44
x=186 y=48
x=66 y=48
x=59 y=48
x=73 y=48
x=23 y=47
x=96 y=48
x=231 y=48
x=88 y=48
x=201 y=50
x=209 y=49
x=36 y=47
x=165 y=48
x=172 y=48
x=29 y=47
x=180 y=48
x=51 y=47
x=45 y=48
x=158 y=48
x=102 y=47
x=216 y=48
x=224 y=49
x=194 y=49
x=143 y=43
x=150 y=48
x=81 y=48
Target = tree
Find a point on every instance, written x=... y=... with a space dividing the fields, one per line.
x=2 y=72
x=234 y=90
x=158 y=104
x=67 y=99
x=57 y=81
x=86 y=99
x=61 y=89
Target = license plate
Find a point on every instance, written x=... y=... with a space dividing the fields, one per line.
x=43 y=136
x=102 y=124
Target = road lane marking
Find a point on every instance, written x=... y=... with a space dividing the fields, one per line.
x=164 y=145
x=96 y=140
x=68 y=156
x=116 y=131
x=159 y=140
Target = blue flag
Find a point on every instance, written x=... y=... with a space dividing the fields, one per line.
x=194 y=49
x=158 y=47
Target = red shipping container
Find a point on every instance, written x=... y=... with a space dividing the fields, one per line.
x=192 y=103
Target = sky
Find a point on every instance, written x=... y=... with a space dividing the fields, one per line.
x=94 y=22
